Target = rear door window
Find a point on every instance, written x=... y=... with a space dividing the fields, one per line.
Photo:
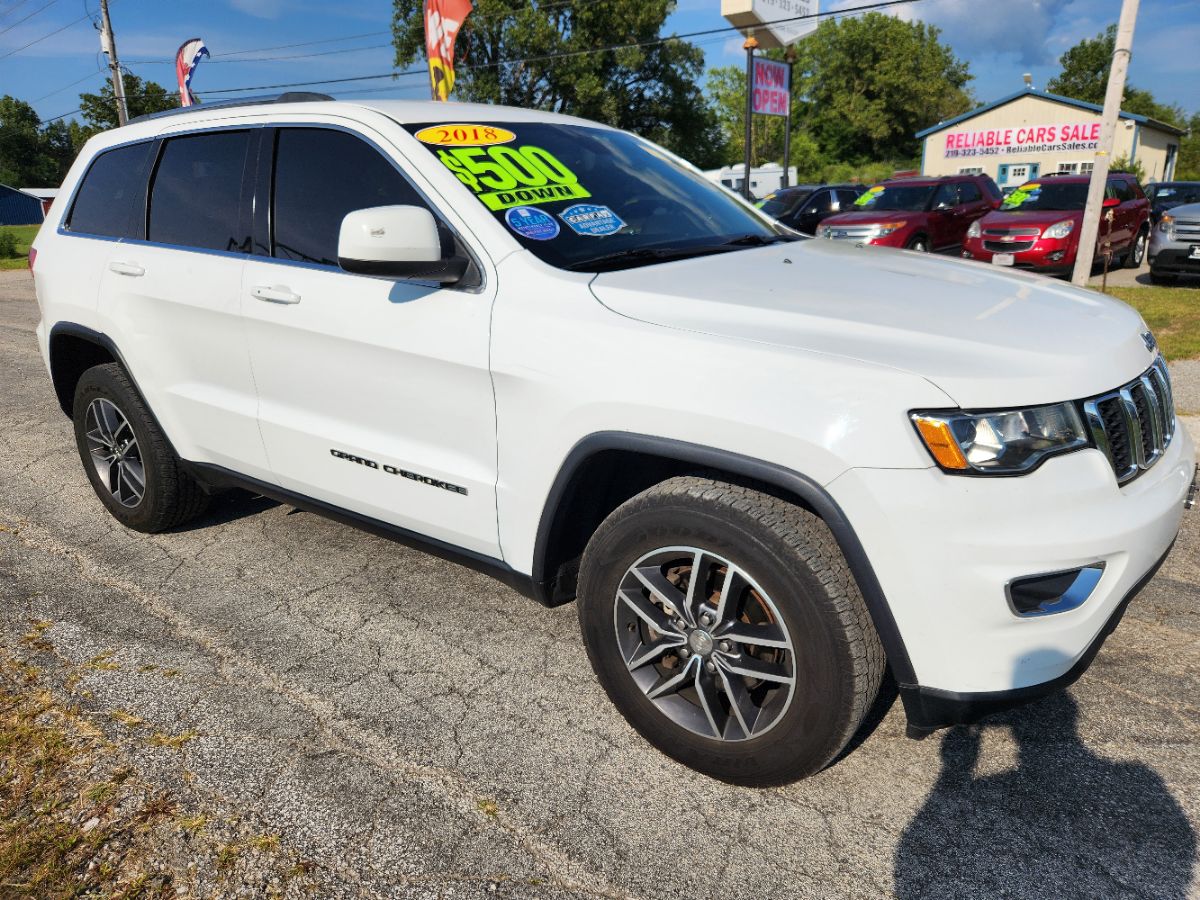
x=946 y=197
x=968 y=192
x=320 y=175
x=196 y=197
x=114 y=185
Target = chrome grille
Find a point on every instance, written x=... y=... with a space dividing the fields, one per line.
x=1187 y=230
x=1134 y=424
x=850 y=232
x=1023 y=231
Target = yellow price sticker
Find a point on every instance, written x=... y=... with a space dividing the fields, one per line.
x=504 y=177
x=460 y=135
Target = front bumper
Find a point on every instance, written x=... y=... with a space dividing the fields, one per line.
x=1174 y=261
x=1048 y=256
x=945 y=547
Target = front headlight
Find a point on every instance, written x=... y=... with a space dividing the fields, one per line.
x=1000 y=443
x=1167 y=226
x=820 y=232
x=1060 y=229
x=975 y=230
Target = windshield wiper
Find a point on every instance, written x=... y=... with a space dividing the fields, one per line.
x=647 y=255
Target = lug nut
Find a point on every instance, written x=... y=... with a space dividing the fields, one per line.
x=711 y=666
x=706 y=619
x=726 y=646
x=685 y=653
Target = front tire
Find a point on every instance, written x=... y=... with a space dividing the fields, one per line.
x=128 y=460
x=757 y=670
x=920 y=244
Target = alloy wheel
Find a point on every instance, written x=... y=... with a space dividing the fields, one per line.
x=705 y=643
x=115 y=453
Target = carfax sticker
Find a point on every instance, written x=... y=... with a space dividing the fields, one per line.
x=460 y=135
x=587 y=218
x=533 y=224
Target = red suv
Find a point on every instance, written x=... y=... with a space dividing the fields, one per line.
x=1038 y=225
x=915 y=213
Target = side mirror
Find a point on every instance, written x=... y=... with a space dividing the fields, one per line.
x=1110 y=202
x=399 y=242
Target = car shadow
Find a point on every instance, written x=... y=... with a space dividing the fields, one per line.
x=228 y=506
x=1065 y=822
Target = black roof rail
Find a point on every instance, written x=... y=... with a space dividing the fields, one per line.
x=288 y=97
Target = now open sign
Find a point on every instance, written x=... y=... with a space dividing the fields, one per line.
x=772 y=92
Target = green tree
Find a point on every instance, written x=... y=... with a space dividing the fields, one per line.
x=650 y=90
x=1188 y=166
x=1084 y=76
x=862 y=88
x=141 y=97
x=31 y=155
x=871 y=82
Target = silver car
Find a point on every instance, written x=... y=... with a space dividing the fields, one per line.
x=1175 y=244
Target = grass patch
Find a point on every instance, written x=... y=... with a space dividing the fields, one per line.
x=1173 y=314
x=174 y=741
x=14 y=250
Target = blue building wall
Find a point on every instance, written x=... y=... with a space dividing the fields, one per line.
x=19 y=208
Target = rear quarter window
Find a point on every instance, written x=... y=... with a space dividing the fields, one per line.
x=113 y=186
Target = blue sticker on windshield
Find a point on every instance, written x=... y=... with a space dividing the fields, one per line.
x=587 y=218
x=532 y=223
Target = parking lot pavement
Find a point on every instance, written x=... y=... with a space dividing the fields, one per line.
x=410 y=727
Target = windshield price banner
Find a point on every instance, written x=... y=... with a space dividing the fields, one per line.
x=504 y=177
x=1027 y=139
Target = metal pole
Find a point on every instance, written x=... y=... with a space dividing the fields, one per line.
x=749 y=46
x=108 y=44
x=1090 y=228
x=787 y=122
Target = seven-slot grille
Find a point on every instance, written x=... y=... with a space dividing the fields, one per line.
x=1133 y=425
x=1187 y=229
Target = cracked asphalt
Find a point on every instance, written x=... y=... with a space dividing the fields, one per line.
x=414 y=728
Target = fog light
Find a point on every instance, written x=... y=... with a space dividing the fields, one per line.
x=1056 y=255
x=1045 y=595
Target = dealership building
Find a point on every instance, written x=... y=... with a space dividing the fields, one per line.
x=1032 y=133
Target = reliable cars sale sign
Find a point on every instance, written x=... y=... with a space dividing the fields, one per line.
x=771 y=89
x=1026 y=139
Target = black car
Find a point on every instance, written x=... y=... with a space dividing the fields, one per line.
x=1170 y=194
x=804 y=206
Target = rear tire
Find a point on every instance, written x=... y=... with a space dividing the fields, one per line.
x=128 y=460
x=791 y=587
x=1137 y=253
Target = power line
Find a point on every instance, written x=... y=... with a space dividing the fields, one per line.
x=570 y=53
x=13 y=8
x=28 y=17
x=43 y=37
x=71 y=85
x=840 y=13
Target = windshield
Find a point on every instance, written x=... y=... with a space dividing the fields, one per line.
x=1049 y=195
x=779 y=205
x=910 y=198
x=592 y=199
x=1176 y=193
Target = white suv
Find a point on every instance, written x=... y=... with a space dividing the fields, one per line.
x=765 y=466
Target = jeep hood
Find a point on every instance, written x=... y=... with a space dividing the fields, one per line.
x=987 y=338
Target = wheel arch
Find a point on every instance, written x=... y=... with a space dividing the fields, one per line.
x=605 y=469
x=73 y=349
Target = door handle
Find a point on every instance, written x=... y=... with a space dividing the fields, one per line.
x=125 y=268
x=275 y=294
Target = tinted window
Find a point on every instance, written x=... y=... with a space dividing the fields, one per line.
x=1049 y=194
x=1121 y=189
x=113 y=183
x=968 y=192
x=320 y=175
x=820 y=203
x=909 y=198
x=783 y=203
x=195 y=200
x=847 y=198
x=947 y=196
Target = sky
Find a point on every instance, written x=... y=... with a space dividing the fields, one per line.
x=1001 y=39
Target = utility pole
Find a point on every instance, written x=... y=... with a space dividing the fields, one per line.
x=108 y=44
x=1090 y=228
x=790 y=56
x=749 y=46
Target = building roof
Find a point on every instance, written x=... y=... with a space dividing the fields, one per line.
x=41 y=193
x=1054 y=98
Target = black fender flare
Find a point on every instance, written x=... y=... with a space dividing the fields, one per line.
x=779 y=477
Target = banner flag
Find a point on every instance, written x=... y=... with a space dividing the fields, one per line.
x=443 y=19
x=189 y=56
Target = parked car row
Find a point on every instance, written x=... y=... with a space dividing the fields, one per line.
x=1034 y=227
